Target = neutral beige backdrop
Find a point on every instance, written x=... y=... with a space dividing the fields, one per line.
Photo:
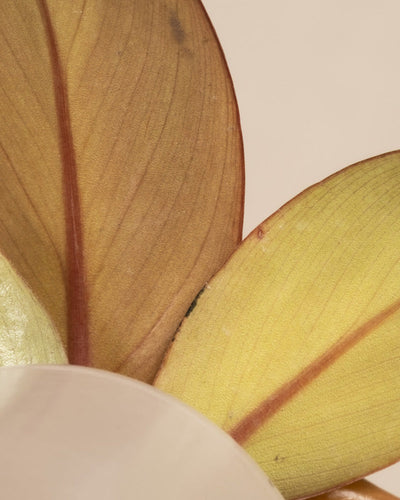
x=318 y=86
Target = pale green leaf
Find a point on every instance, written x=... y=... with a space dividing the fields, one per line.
x=26 y=332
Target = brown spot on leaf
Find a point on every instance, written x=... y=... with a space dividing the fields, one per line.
x=177 y=29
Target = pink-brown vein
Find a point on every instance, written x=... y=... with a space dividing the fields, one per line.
x=76 y=289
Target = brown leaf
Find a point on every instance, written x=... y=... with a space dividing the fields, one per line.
x=121 y=167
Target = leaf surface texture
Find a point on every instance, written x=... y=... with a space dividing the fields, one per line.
x=121 y=168
x=294 y=346
x=26 y=333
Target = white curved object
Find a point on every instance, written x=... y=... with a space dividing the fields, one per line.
x=72 y=433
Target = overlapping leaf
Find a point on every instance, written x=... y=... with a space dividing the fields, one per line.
x=121 y=168
x=294 y=346
x=26 y=332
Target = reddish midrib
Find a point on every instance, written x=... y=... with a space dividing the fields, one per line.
x=269 y=407
x=77 y=309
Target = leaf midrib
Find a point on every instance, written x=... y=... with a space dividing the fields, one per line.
x=76 y=289
x=254 y=420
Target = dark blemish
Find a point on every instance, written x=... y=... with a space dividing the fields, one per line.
x=279 y=458
x=260 y=233
x=187 y=52
x=194 y=303
x=188 y=312
x=176 y=27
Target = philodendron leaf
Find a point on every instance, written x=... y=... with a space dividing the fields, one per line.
x=121 y=168
x=26 y=332
x=294 y=346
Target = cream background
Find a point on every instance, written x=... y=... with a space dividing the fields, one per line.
x=318 y=85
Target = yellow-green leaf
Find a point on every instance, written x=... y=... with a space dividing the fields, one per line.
x=294 y=347
x=121 y=168
x=26 y=332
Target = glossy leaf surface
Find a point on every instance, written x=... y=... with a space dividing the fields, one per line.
x=294 y=346
x=121 y=168
x=26 y=332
